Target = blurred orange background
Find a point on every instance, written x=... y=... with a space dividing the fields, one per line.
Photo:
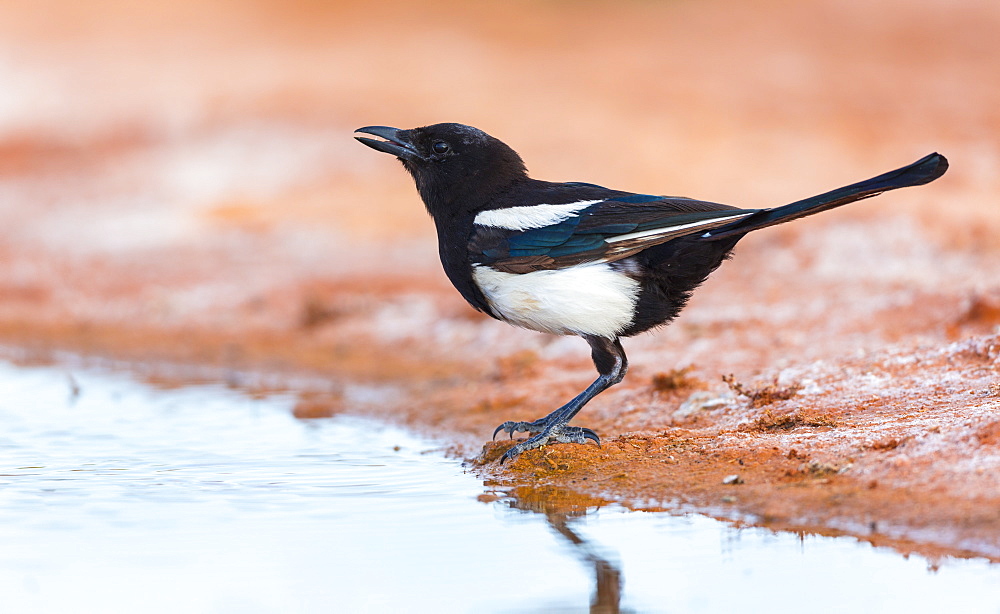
x=189 y=162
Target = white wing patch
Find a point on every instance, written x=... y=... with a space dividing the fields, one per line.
x=532 y=216
x=588 y=299
x=671 y=229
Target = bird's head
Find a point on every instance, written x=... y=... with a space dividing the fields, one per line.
x=457 y=168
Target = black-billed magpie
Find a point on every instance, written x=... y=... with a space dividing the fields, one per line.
x=577 y=258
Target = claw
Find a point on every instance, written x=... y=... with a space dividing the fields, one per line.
x=512 y=427
x=510 y=454
x=589 y=434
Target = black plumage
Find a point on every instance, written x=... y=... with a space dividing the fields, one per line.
x=578 y=258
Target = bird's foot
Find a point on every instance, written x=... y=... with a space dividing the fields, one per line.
x=556 y=433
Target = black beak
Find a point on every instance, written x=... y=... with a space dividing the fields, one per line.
x=395 y=143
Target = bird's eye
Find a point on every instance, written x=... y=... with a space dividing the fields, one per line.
x=440 y=147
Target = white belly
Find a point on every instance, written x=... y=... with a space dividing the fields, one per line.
x=587 y=299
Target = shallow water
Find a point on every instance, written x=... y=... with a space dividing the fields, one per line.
x=116 y=496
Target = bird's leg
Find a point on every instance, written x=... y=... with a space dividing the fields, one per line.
x=611 y=363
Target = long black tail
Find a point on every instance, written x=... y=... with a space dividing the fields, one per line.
x=924 y=170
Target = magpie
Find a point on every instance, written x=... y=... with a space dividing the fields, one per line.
x=578 y=258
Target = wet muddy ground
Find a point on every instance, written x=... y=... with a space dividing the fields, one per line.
x=180 y=192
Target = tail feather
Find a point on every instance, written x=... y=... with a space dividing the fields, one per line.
x=922 y=171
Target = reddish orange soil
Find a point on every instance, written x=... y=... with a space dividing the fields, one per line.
x=180 y=191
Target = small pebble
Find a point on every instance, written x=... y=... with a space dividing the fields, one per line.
x=732 y=479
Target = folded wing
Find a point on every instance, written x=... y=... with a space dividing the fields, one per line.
x=589 y=231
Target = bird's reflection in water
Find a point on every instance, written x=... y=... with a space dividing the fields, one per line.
x=562 y=508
